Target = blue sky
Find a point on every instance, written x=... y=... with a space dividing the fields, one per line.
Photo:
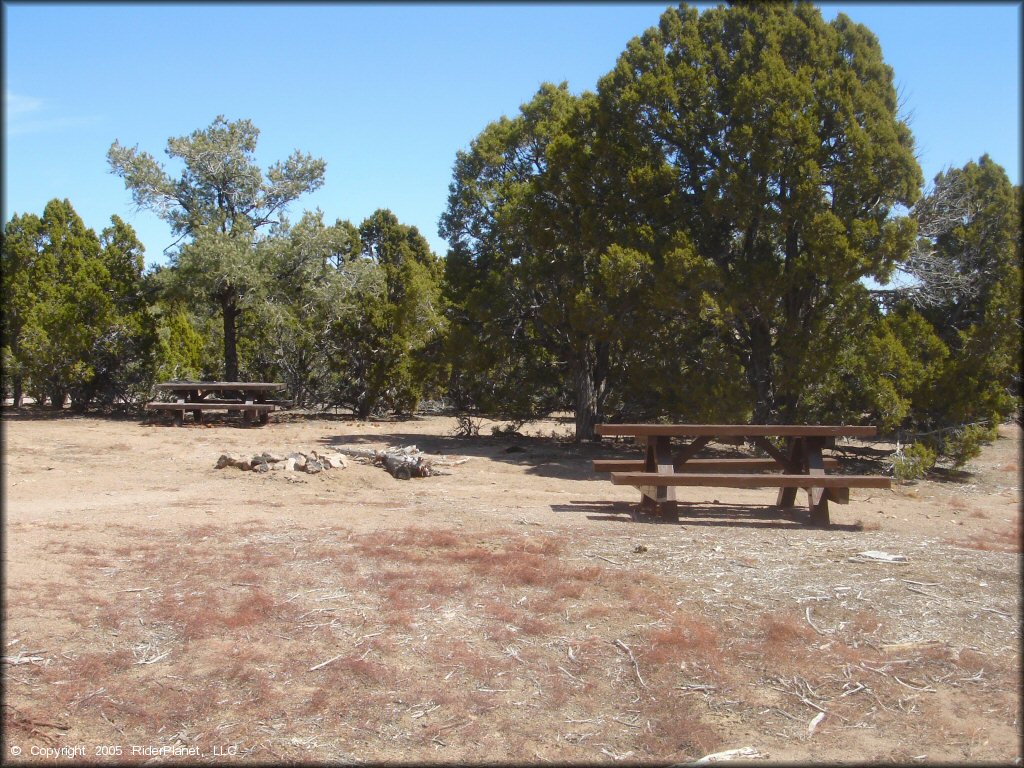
x=387 y=94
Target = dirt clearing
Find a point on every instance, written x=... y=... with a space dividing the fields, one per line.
x=157 y=607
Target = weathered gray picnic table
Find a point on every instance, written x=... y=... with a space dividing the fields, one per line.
x=801 y=463
x=249 y=397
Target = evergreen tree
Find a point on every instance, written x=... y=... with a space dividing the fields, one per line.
x=966 y=291
x=776 y=138
x=219 y=206
x=544 y=277
x=318 y=278
x=378 y=351
x=21 y=271
x=76 y=316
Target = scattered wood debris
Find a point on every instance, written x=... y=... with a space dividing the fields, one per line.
x=875 y=556
x=403 y=463
x=743 y=753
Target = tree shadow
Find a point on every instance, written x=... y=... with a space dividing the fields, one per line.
x=344 y=416
x=34 y=412
x=561 y=459
x=212 y=420
x=950 y=475
x=701 y=515
x=541 y=456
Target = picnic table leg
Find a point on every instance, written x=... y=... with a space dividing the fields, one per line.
x=817 y=498
x=794 y=465
x=660 y=500
x=263 y=416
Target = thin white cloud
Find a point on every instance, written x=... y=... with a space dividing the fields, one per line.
x=24 y=115
x=17 y=105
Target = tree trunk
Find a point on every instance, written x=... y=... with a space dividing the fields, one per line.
x=17 y=390
x=760 y=373
x=364 y=408
x=57 y=397
x=590 y=377
x=231 y=313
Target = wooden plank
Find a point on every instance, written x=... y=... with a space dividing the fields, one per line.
x=204 y=406
x=253 y=386
x=735 y=430
x=780 y=459
x=749 y=480
x=701 y=465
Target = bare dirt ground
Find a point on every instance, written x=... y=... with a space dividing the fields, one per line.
x=157 y=608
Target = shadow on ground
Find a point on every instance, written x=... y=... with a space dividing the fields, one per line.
x=558 y=458
x=541 y=456
x=692 y=515
x=32 y=412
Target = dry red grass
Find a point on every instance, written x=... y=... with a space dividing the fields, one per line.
x=994 y=540
x=423 y=643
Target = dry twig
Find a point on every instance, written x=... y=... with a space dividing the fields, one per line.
x=632 y=658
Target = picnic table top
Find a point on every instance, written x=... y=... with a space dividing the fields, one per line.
x=254 y=386
x=735 y=430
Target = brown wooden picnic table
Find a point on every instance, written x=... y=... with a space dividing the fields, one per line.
x=800 y=460
x=249 y=397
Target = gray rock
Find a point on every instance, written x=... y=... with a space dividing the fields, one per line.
x=333 y=461
x=313 y=466
x=226 y=460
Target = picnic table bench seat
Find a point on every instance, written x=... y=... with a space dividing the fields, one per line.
x=700 y=465
x=211 y=405
x=798 y=464
x=261 y=411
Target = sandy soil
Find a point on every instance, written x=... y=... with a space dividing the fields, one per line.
x=507 y=610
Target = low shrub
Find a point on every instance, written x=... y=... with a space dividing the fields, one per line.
x=965 y=444
x=913 y=462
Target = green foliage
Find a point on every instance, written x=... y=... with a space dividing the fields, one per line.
x=678 y=243
x=219 y=204
x=183 y=351
x=76 y=318
x=315 y=276
x=379 y=351
x=977 y=318
x=965 y=444
x=541 y=295
x=913 y=462
x=774 y=140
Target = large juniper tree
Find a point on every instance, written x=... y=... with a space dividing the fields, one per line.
x=786 y=158
x=219 y=206
x=544 y=274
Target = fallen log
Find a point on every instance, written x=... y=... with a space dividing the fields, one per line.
x=401 y=463
x=403 y=466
